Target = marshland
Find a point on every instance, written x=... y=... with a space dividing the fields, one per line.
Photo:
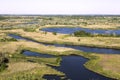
x=59 y=47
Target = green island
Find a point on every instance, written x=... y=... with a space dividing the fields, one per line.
x=16 y=66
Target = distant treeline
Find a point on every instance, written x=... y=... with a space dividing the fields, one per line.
x=2 y=18
x=81 y=20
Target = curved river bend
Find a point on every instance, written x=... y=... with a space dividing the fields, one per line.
x=82 y=48
x=72 y=66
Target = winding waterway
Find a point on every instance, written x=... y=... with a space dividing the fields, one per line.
x=82 y=48
x=72 y=66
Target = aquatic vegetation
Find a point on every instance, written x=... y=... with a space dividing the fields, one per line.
x=54 y=33
x=86 y=34
x=34 y=68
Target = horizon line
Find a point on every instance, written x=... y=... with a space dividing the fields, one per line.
x=60 y=14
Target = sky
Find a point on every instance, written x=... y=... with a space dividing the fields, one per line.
x=60 y=7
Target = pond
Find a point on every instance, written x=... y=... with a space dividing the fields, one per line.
x=66 y=30
x=73 y=67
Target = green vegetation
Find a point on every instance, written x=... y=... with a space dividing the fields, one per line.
x=100 y=42
x=34 y=68
x=20 y=60
x=45 y=32
x=29 y=29
x=26 y=67
x=82 y=34
x=78 y=39
x=2 y=18
x=100 y=65
x=7 y=39
x=79 y=20
x=3 y=62
x=94 y=22
x=86 y=34
x=54 y=33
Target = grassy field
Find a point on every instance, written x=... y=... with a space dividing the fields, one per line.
x=103 y=64
x=106 y=42
x=93 y=22
x=98 y=26
x=29 y=70
x=107 y=65
x=22 y=68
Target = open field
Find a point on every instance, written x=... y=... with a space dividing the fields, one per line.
x=27 y=70
x=21 y=65
x=105 y=64
x=108 y=65
x=93 y=22
x=106 y=42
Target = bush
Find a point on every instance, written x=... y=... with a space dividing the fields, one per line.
x=2 y=67
x=3 y=62
x=2 y=18
x=81 y=34
x=78 y=39
x=54 y=33
x=44 y=32
x=29 y=29
x=7 y=39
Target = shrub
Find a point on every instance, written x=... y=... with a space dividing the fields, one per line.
x=81 y=34
x=54 y=33
x=78 y=39
x=29 y=29
x=7 y=39
x=3 y=62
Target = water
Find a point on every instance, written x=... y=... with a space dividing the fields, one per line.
x=73 y=67
x=92 y=49
x=65 y=30
x=82 y=48
x=51 y=77
x=16 y=36
x=35 y=54
x=27 y=39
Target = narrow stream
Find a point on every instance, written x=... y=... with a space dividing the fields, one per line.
x=82 y=48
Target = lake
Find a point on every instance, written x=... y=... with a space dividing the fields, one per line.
x=66 y=30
